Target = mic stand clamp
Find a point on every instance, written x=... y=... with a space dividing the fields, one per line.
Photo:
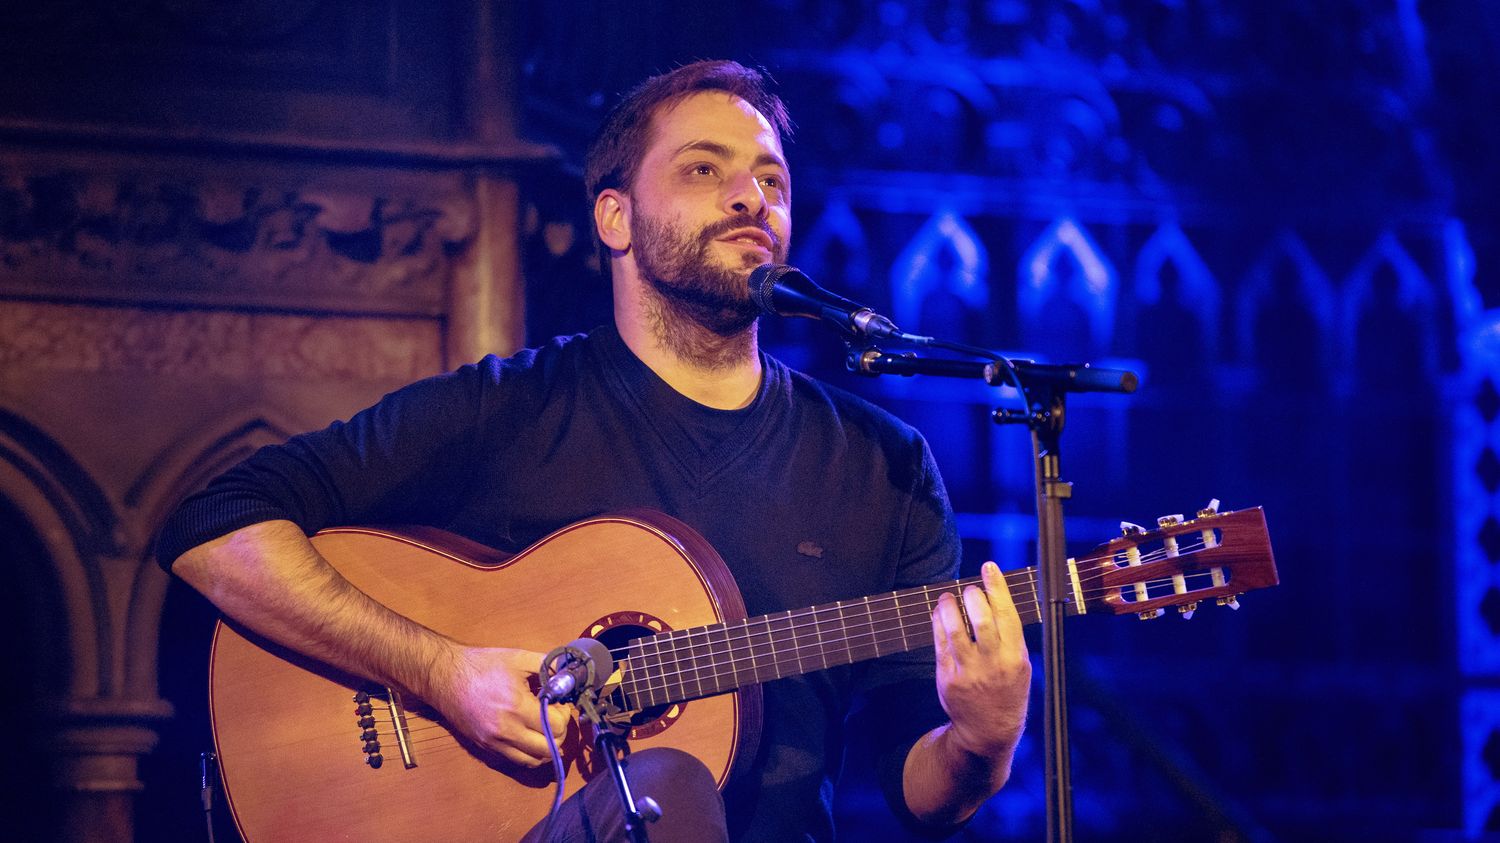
x=610 y=744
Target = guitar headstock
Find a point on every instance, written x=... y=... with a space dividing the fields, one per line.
x=1214 y=556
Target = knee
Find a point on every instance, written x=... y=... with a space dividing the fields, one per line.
x=663 y=768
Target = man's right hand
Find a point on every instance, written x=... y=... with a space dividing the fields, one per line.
x=486 y=696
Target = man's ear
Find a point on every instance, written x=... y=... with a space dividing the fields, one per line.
x=612 y=219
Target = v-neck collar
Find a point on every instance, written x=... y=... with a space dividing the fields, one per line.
x=664 y=411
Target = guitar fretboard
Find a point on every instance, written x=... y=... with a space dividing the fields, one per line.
x=687 y=664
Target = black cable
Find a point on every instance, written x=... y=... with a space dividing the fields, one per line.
x=994 y=356
x=207 y=762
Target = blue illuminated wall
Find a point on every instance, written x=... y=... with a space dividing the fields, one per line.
x=1261 y=209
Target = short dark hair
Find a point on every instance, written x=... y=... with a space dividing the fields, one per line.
x=615 y=155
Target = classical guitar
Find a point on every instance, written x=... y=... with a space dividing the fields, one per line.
x=308 y=753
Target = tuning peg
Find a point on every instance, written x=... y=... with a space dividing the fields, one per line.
x=1169 y=520
x=1211 y=510
x=1151 y=614
x=1129 y=529
x=1232 y=601
x=1187 y=610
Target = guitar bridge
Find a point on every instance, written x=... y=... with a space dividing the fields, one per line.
x=369 y=734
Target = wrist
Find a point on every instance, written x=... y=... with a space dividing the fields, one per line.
x=985 y=761
x=439 y=667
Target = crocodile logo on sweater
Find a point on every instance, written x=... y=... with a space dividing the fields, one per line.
x=812 y=549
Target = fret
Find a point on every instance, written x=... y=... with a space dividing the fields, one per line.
x=673 y=669
x=749 y=647
x=671 y=673
x=692 y=639
x=705 y=665
x=762 y=648
x=927 y=600
x=818 y=645
x=1028 y=602
x=794 y=642
x=866 y=644
x=778 y=632
x=728 y=655
x=901 y=623
x=651 y=663
x=629 y=683
x=838 y=608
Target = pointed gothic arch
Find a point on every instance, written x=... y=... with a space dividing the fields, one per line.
x=1095 y=286
x=76 y=523
x=1314 y=287
x=1198 y=290
x=178 y=470
x=1414 y=295
x=914 y=275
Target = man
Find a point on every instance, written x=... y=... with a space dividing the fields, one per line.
x=675 y=409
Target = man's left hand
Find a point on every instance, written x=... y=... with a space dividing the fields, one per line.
x=983 y=681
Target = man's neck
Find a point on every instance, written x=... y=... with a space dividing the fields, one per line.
x=730 y=382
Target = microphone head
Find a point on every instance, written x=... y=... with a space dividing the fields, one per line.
x=763 y=281
x=604 y=663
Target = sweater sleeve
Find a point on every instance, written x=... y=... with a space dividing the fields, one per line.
x=896 y=700
x=404 y=460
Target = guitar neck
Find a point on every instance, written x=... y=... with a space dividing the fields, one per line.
x=686 y=664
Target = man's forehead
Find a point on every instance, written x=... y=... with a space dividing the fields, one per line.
x=715 y=116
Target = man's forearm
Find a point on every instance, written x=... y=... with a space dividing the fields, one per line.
x=269 y=577
x=944 y=784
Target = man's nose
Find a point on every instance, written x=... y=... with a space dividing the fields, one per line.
x=744 y=196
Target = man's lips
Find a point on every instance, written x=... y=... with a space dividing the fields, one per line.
x=749 y=237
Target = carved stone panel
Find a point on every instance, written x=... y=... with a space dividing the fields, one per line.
x=370 y=242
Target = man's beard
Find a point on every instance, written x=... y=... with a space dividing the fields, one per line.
x=699 y=307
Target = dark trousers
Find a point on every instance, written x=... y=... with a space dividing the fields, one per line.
x=691 y=809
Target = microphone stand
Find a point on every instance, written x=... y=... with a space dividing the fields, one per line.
x=610 y=744
x=609 y=741
x=1044 y=389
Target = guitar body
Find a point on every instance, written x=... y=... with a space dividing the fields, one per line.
x=292 y=756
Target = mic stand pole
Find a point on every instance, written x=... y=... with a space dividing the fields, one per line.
x=1044 y=388
x=610 y=744
x=1046 y=422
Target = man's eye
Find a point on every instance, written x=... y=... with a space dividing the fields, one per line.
x=703 y=170
x=771 y=181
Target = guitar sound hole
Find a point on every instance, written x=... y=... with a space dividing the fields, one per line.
x=616 y=632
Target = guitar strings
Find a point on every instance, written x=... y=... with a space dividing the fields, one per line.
x=923 y=594
x=1024 y=577
x=906 y=617
x=794 y=660
x=865 y=634
x=873 y=634
x=802 y=657
x=849 y=631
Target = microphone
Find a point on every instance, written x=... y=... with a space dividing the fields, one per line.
x=783 y=290
x=577 y=656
